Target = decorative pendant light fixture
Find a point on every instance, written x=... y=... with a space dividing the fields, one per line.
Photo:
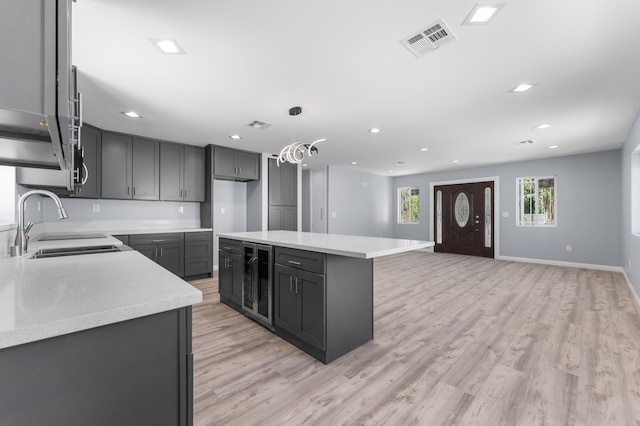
x=294 y=153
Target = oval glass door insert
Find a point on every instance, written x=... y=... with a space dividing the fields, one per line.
x=462 y=209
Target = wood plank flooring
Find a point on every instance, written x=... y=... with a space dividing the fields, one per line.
x=458 y=341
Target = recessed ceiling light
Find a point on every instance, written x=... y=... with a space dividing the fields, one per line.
x=354 y=162
x=554 y=146
x=424 y=149
x=542 y=126
x=455 y=161
x=482 y=14
x=522 y=87
x=235 y=137
x=168 y=46
x=374 y=130
x=132 y=114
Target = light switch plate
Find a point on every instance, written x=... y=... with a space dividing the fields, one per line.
x=96 y=208
x=505 y=214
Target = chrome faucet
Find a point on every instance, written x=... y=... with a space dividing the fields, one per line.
x=20 y=246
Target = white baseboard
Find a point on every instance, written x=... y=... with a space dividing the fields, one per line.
x=632 y=289
x=562 y=263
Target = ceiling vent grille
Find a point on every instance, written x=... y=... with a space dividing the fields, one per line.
x=257 y=124
x=527 y=142
x=429 y=39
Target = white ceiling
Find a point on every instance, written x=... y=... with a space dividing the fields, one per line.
x=343 y=63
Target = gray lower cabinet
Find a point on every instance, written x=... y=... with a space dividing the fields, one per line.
x=130 y=167
x=230 y=273
x=300 y=304
x=323 y=303
x=136 y=372
x=165 y=249
x=182 y=172
x=198 y=254
x=235 y=164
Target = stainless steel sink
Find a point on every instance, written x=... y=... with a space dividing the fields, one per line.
x=77 y=251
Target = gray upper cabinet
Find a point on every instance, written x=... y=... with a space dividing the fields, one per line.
x=235 y=164
x=130 y=167
x=146 y=169
x=92 y=144
x=283 y=184
x=116 y=165
x=194 y=174
x=283 y=196
x=181 y=172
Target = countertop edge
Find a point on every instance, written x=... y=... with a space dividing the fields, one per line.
x=40 y=332
x=326 y=250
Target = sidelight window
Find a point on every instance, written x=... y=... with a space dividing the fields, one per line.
x=409 y=205
x=536 y=201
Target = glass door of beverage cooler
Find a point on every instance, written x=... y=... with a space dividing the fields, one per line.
x=257 y=283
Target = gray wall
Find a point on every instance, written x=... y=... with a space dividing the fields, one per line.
x=630 y=242
x=82 y=210
x=589 y=198
x=361 y=202
x=232 y=197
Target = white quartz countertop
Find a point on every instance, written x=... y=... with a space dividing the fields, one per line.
x=48 y=297
x=342 y=245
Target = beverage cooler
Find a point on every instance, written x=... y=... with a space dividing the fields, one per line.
x=257 y=291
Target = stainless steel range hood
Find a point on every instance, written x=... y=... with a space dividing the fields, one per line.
x=40 y=109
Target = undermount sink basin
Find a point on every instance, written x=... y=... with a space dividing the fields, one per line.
x=76 y=251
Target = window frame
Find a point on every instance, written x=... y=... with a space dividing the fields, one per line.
x=417 y=216
x=519 y=202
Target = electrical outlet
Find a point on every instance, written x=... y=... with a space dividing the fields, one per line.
x=222 y=210
x=333 y=214
x=569 y=248
x=505 y=214
x=181 y=209
x=96 y=208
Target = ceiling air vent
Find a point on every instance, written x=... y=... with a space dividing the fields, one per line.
x=429 y=39
x=527 y=142
x=257 y=124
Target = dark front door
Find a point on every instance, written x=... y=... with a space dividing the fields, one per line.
x=464 y=218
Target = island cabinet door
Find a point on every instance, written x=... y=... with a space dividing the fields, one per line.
x=310 y=289
x=230 y=277
x=286 y=299
x=237 y=274
x=224 y=275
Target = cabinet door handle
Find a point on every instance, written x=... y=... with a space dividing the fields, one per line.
x=290 y=284
x=227 y=248
x=160 y=251
x=181 y=193
x=156 y=255
x=158 y=241
x=185 y=193
x=128 y=189
x=134 y=190
x=294 y=262
x=296 y=285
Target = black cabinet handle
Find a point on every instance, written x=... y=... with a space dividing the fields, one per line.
x=290 y=284
x=157 y=241
x=296 y=285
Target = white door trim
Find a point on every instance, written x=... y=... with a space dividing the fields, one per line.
x=496 y=204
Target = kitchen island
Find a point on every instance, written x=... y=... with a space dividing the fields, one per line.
x=94 y=339
x=322 y=288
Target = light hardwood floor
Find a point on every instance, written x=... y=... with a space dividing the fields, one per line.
x=458 y=340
